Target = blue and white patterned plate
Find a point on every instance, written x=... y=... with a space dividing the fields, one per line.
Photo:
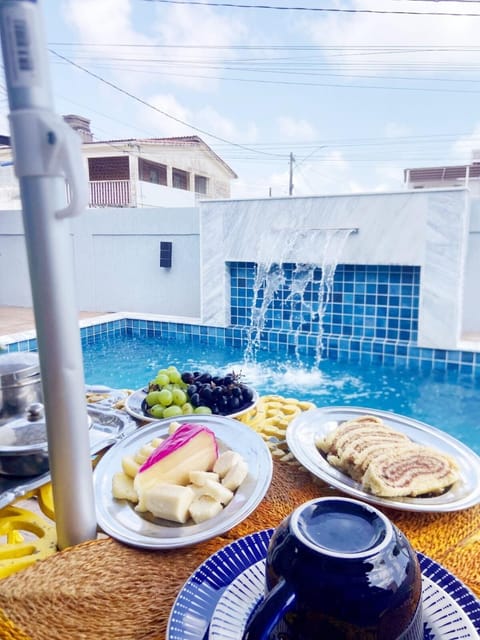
x=451 y=610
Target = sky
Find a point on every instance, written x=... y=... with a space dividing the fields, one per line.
x=344 y=94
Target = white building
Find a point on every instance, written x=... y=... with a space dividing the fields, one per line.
x=446 y=176
x=147 y=172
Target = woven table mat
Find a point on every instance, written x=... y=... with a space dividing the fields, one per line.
x=103 y=589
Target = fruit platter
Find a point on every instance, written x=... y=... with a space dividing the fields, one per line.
x=172 y=394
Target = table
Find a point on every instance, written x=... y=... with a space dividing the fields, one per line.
x=103 y=589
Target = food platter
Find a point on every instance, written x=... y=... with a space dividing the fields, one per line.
x=215 y=601
x=133 y=405
x=306 y=427
x=119 y=519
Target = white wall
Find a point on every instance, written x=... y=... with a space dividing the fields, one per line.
x=116 y=254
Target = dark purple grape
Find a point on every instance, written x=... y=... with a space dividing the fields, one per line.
x=205 y=394
x=237 y=392
x=191 y=389
x=228 y=380
x=215 y=409
x=222 y=404
x=216 y=393
x=247 y=394
x=195 y=400
x=204 y=378
x=233 y=403
x=217 y=380
x=187 y=377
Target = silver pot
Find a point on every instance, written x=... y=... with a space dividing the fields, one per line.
x=20 y=383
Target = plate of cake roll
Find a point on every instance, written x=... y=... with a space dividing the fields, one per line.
x=386 y=459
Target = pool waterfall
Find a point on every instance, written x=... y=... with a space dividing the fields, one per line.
x=308 y=286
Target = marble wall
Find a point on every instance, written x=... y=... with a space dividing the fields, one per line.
x=427 y=228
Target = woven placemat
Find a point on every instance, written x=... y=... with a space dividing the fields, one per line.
x=105 y=590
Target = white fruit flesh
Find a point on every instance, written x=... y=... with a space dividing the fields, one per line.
x=225 y=461
x=122 y=487
x=203 y=508
x=200 y=477
x=169 y=501
x=235 y=475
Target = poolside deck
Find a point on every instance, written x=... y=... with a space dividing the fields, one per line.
x=18 y=319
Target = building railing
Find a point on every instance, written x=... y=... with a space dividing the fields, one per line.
x=110 y=193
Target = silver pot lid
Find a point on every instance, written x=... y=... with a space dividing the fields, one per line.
x=26 y=434
x=18 y=367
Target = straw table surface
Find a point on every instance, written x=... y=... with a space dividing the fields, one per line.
x=104 y=589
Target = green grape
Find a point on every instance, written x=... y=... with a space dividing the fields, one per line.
x=152 y=398
x=157 y=411
x=187 y=408
x=162 y=379
x=172 y=411
x=202 y=410
x=179 y=397
x=165 y=397
x=175 y=377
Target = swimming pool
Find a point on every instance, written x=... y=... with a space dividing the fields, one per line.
x=448 y=400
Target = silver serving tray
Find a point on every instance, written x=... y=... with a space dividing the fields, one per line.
x=107 y=427
x=306 y=427
x=119 y=519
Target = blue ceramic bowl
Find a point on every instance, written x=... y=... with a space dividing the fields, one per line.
x=337 y=568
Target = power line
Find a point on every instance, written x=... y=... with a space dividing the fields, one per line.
x=232 y=5
x=301 y=83
x=151 y=106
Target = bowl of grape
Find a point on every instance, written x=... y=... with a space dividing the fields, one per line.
x=173 y=393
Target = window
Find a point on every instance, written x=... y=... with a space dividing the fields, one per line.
x=154 y=172
x=201 y=183
x=108 y=168
x=180 y=179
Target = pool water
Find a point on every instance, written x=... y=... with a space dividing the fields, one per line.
x=446 y=400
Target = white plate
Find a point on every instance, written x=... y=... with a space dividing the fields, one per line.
x=442 y=615
x=119 y=519
x=133 y=405
x=453 y=610
x=307 y=426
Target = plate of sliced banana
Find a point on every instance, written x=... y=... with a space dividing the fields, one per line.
x=176 y=483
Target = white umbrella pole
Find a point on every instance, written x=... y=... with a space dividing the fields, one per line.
x=47 y=155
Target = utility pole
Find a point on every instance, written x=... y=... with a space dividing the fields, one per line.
x=290 y=184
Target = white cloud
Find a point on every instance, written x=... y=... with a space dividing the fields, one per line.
x=206 y=119
x=207 y=36
x=295 y=129
x=410 y=44
x=163 y=126
x=104 y=21
x=463 y=148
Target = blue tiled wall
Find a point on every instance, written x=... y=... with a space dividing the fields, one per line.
x=371 y=317
x=363 y=301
